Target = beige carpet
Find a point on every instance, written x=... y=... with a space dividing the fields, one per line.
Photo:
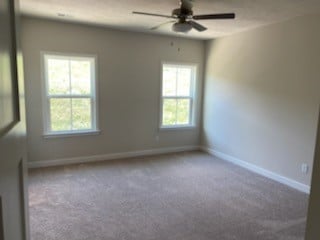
x=185 y=196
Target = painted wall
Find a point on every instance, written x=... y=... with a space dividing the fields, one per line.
x=129 y=68
x=262 y=96
x=13 y=135
x=313 y=231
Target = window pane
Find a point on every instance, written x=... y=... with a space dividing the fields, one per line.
x=169 y=81
x=60 y=112
x=81 y=114
x=58 y=76
x=184 y=82
x=169 y=112
x=183 y=111
x=80 y=77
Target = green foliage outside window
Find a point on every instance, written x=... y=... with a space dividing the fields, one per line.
x=69 y=91
x=176 y=95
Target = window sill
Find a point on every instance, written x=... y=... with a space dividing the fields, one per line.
x=71 y=134
x=178 y=128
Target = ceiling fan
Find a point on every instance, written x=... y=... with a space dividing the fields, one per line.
x=183 y=18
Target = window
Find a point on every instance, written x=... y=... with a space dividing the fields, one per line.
x=178 y=92
x=70 y=99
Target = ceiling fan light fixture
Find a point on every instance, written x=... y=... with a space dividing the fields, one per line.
x=181 y=27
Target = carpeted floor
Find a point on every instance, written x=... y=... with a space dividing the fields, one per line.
x=185 y=196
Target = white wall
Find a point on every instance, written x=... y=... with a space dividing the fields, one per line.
x=129 y=67
x=262 y=96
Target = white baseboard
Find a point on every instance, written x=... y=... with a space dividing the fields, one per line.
x=111 y=156
x=266 y=173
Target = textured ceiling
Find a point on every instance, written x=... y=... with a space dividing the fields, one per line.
x=117 y=13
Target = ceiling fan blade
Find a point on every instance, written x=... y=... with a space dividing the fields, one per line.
x=215 y=16
x=153 y=14
x=197 y=26
x=162 y=24
x=186 y=4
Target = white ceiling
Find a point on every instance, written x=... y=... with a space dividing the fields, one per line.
x=117 y=13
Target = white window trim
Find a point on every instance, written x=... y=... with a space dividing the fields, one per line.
x=47 y=133
x=193 y=97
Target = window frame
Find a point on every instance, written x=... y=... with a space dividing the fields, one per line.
x=192 y=97
x=47 y=132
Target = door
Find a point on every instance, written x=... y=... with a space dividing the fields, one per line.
x=12 y=129
x=313 y=223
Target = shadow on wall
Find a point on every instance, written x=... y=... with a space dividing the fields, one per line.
x=261 y=96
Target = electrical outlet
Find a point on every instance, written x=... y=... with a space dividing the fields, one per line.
x=304 y=168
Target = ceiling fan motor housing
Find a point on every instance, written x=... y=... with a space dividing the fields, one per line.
x=178 y=12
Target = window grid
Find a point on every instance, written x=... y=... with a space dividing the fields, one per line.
x=70 y=95
x=176 y=97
